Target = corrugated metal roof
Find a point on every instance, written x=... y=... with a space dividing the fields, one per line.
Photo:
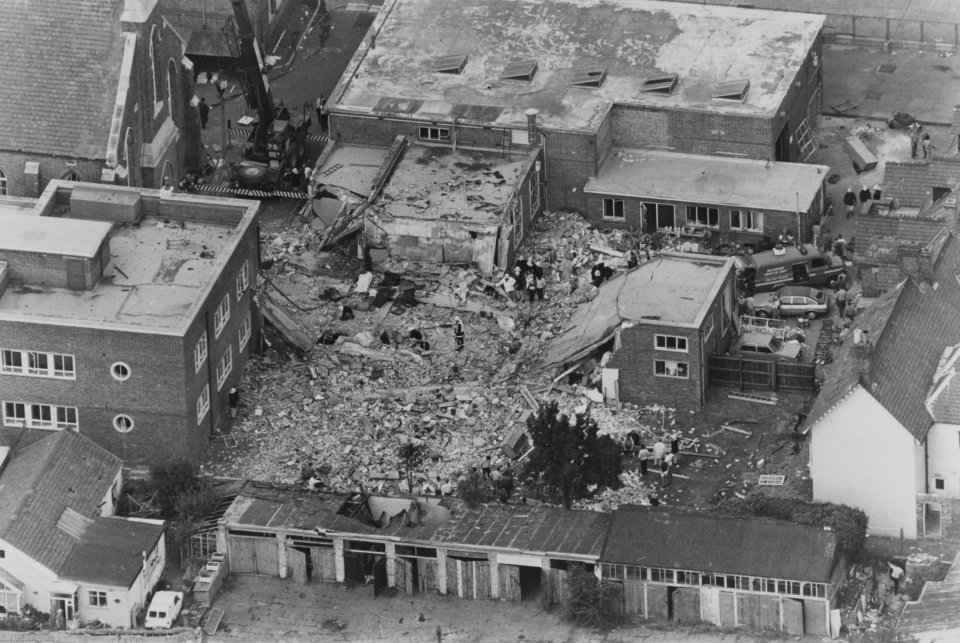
x=713 y=543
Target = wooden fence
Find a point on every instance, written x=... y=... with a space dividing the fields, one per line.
x=743 y=372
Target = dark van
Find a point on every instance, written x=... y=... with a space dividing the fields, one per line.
x=771 y=269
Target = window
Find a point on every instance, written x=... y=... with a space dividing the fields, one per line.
x=244 y=334
x=665 y=368
x=37 y=364
x=224 y=367
x=612 y=209
x=200 y=352
x=66 y=417
x=154 y=62
x=123 y=423
x=670 y=343
x=662 y=215
x=938 y=483
x=39 y=416
x=745 y=220
x=96 y=598
x=171 y=84
x=221 y=316
x=243 y=280
x=708 y=329
x=203 y=404
x=434 y=134
x=120 y=371
x=14 y=414
x=3 y=183
x=704 y=216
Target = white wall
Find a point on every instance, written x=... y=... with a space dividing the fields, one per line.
x=35 y=577
x=861 y=456
x=944 y=459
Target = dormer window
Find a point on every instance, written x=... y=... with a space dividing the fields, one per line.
x=735 y=90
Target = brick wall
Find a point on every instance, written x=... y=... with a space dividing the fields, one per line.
x=12 y=165
x=949 y=515
x=571 y=159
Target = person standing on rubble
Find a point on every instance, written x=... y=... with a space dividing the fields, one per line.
x=896 y=573
x=541 y=285
x=659 y=448
x=914 y=128
x=598 y=274
x=643 y=455
x=520 y=278
x=508 y=284
x=842 y=301
x=850 y=200
x=865 y=195
x=458 y=334
x=531 y=286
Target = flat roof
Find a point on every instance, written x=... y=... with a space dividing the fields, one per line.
x=631 y=40
x=51 y=235
x=711 y=180
x=352 y=167
x=156 y=272
x=455 y=185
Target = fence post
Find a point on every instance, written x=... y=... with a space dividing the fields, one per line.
x=776 y=375
x=740 y=372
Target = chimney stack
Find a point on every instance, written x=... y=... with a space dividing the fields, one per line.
x=862 y=352
x=532 y=124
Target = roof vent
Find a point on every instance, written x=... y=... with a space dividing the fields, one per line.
x=452 y=64
x=735 y=90
x=592 y=77
x=664 y=84
x=519 y=70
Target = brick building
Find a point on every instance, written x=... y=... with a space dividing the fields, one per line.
x=126 y=315
x=101 y=94
x=580 y=79
x=741 y=200
x=661 y=320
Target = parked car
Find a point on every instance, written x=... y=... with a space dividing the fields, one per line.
x=164 y=610
x=766 y=346
x=794 y=301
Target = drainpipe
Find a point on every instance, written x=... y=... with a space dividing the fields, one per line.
x=926 y=466
x=799 y=229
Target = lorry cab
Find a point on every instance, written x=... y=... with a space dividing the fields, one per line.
x=792 y=265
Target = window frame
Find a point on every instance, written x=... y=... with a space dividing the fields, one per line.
x=708 y=328
x=117 y=376
x=20 y=420
x=659 y=371
x=123 y=417
x=203 y=403
x=97 y=598
x=748 y=220
x=38 y=415
x=678 y=339
x=707 y=211
x=3 y=182
x=224 y=367
x=610 y=213
x=433 y=133
x=243 y=280
x=243 y=333
x=30 y=364
x=221 y=316
x=200 y=352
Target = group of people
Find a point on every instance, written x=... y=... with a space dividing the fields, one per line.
x=527 y=277
x=663 y=457
x=419 y=342
x=920 y=140
x=851 y=199
x=502 y=479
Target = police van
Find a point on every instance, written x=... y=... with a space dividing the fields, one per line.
x=791 y=265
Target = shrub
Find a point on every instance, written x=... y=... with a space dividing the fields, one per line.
x=591 y=602
x=476 y=489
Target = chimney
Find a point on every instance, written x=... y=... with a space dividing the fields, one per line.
x=925 y=265
x=862 y=353
x=532 y=124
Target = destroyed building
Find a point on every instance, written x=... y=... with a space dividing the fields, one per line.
x=884 y=429
x=666 y=565
x=61 y=547
x=661 y=320
x=114 y=108
x=125 y=314
x=580 y=80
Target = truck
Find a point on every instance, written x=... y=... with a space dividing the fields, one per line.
x=276 y=145
x=802 y=265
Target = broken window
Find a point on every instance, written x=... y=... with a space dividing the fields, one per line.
x=701 y=215
x=662 y=213
x=243 y=280
x=734 y=90
x=592 y=77
x=663 y=84
x=666 y=368
x=613 y=209
x=434 y=134
x=452 y=64
x=670 y=343
x=519 y=70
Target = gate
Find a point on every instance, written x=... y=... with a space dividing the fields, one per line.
x=732 y=370
x=793 y=616
x=251 y=555
x=297 y=565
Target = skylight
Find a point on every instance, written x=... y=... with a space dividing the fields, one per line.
x=519 y=70
x=452 y=64
x=664 y=84
x=735 y=90
x=592 y=77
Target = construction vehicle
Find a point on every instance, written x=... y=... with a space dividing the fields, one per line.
x=274 y=149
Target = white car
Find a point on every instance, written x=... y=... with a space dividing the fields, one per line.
x=164 y=610
x=795 y=301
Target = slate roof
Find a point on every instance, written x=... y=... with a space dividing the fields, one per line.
x=111 y=552
x=911 y=182
x=714 y=543
x=63 y=59
x=879 y=239
x=63 y=470
x=909 y=327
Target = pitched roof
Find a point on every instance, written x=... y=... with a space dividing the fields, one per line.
x=879 y=237
x=62 y=471
x=911 y=182
x=909 y=327
x=714 y=543
x=111 y=552
x=63 y=58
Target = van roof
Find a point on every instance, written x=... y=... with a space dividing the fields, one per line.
x=791 y=253
x=161 y=599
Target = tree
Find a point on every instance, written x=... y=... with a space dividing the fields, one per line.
x=569 y=456
x=475 y=489
x=411 y=457
x=591 y=601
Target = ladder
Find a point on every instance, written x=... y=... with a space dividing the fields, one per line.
x=750 y=397
x=808 y=144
